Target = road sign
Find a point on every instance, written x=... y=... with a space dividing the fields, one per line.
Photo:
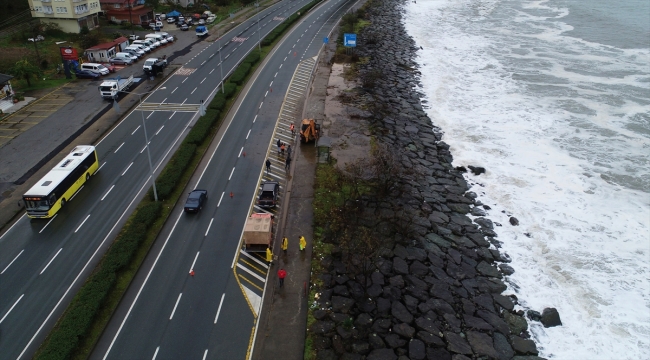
x=325 y=40
x=350 y=40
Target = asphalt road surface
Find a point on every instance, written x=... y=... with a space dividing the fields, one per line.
x=42 y=263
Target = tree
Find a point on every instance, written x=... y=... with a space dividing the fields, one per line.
x=25 y=70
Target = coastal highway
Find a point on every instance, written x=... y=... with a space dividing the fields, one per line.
x=169 y=313
x=43 y=262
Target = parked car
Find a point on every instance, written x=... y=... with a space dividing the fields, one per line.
x=157 y=24
x=111 y=68
x=86 y=74
x=210 y=19
x=96 y=68
x=195 y=200
x=201 y=22
x=133 y=52
x=189 y=21
x=139 y=49
x=185 y=27
x=269 y=194
x=166 y=36
x=133 y=37
x=171 y=20
x=122 y=59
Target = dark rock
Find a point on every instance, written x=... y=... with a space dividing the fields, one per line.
x=325 y=297
x=438 y=217
x=481 y=344
x=516 y=323
x=396 y=281
x=506 y=269
x=392 y=293
x=337 y=345
x=440 y=306
x=504 y=302
x=528 y=357
x=399 y=311
x=502 y=347
x=417 y=350
x=382 y=354
x=343 y=332
x=411 y=303
x=459 y=208
x=400 y=266
x=514 y=221
x=341 y=304
x=383 y=305
x=478 y=239
x=342 y=279
x=376 y=341
x=381 y=325
x=321 y=342
x=485 y=301
x=430 y=339
x=435 y=261
x=534 y=315
x=453 y=322
x=327 y=354
x=468 y=307
x=426 y=323
x=476 y=170
x=374 y=290
x=320 y=314
x=460 y=357
x=495 y=286
x=377 y=278
x=400 y=251
x=338 y=318
x=363 y=320
x=498 y=323
x=341 y=290
x=350 y=356
x=454 y=255
x=416 y=253
x=456 y=344
x=438 y=354
x=404 y=330
x=477 y=211
x=550 y=317
x=440 y=290
x=523 y=346
x=394 y=341
x=418 y=268
x=360 y=347
x=488 y=270
x=438 y=240
x=472 y=322
x=484 y=223
x=322 y=327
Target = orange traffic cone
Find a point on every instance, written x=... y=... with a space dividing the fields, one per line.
x=191 y=272
x=231 y=194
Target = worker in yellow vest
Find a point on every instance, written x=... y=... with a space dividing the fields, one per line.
x=303 y=243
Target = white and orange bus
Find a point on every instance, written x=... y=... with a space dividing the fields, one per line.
x=51 y=192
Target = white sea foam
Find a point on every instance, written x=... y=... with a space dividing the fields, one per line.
x=562 y=126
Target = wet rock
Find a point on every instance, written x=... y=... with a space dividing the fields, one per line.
x=394 y=341
x=550 y=317
x=360 y=347
x=506 y=269
x=504 y=302
x=476 y=170
x=459 y=208
x=453 y=322
x=396 y=281
x=322 y=327
x=438 y=240
x=416 y=254
x=523 y=346
x=363 y=320
x=477 y=211
x=502 y=347
x=430 y=339
x=456 y=344
x=418 y=268
x=381 y=325
x=528 y=357
x=438 y=354
x=321 y=314
x=513 y=221
x=485 y=301
x=481 y=344
x=438 y=217
x=498 y=323
x=404 y=330
x=399 y=311
x=417 y=350
x=488 y=270
x=516 y=323
x=484 y=222
x=426 y=323
x=440 y=306
x=341 y=304
x=327 y=354
x=475 y=323
x=382 y=354
x=534 y=315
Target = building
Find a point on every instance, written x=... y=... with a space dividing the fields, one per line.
x=102 y=52
x=132 y=11
x=70 y=15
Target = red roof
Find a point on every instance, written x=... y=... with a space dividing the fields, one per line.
x=108 y=45
x=125 y=12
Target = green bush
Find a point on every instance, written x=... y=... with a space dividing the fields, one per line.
x=202 y=127
x=239 y=75
x=229 y=90
x=219 y=101
x=174 y=170
x=252 y=58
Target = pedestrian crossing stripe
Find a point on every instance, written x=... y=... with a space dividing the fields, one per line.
x=185 y=71
x=254 y=299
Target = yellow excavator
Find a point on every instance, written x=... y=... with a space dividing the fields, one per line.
x=309 y=130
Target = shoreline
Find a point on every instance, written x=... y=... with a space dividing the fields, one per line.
x=439 y=297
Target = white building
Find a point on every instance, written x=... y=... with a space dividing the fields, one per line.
x=70 y=15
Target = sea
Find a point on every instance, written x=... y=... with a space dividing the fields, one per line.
x=552 y=98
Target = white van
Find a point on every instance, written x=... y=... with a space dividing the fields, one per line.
x=96 y=68
x=126 y=56
x=156 y=37
x=145 y=42
x=166 y=35
x=142 y=43
x=138 y=48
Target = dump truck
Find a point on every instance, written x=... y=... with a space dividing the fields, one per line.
x=258 y=232
x=309 y=130
x=110 y=88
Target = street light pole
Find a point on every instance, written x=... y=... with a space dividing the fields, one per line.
x=259 y=35
x=146 y=144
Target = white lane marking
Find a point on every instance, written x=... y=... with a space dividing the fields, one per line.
x=127 y=169
x=194 y=262
x=276 y=74
x=219 y=309
x=82 y=223
x=183 y=82
x=177 y=301
x=211 y=72
x=165 y=99
x=160 y=129
x=12 y=261
x=12 y=307
x=101 y=167
x=109 y=190
x=231 y=172
x=155 y=353
x=271 y=84
x=148 y=116
x=242 y=148
x=75 y=194
x=136 y=129
x=48 y=264
x=118 y=149
x=260 y=105
x=280 y=67
x=203 y=62
x=267 y=92
x=221 y=198
x=194 y=90
x=205 y=354
x=174 y=113
x=174 y=89
x=255 y=119
x=249 y=132
x=251 y=273
x=209 y=225
x=48 y=223
x=142 y=286
x=245 y=253
x=143 y=148
x=202 y=81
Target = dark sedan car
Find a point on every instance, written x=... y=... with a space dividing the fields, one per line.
x=85 y=74
x=184 y=27
x=195 y=200
x=269 y=194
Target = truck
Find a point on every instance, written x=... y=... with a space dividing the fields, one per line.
x=309 y=130
x=258 y=232
x=201 y=30
x=110 y=88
